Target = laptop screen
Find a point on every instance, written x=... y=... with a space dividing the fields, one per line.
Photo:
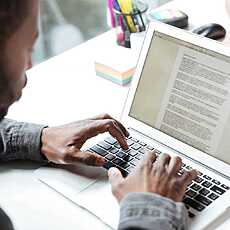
x=184 y=91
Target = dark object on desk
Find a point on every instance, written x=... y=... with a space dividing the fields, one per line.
x=211 y=30
x=172 y=17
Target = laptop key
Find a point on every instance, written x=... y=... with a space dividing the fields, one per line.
x=124 y=165
x=216 y=182
x=132 y=153
x=203 y=200
x=139 y=156
x=109 y=165
x=207 y=177
x=110 y=140
x=113 y=150
x=196 y=187
x=136 y=146
x=135 y=140
x=199 y=173
x=142 y=143
x=199 y=179
x=99 y=151
x=126 y=150
x=225 y=186
x=191 y=193
x=110 y=157
x=143 y=150
x=207 y=184
x=121 y=154
x=130 y=142
x=118 y=161
x=130 y=169
x=217 y=190
x=123 y=171
x=188 y=167
x=213 y=196
x=204 y=191
x=135 y=162
x=157 y=152
x=197 y=206
x=149 y=147
x=104 y=145
x=127 y=158
x=117 y=145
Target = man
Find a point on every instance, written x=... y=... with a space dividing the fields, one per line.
x=150 y=198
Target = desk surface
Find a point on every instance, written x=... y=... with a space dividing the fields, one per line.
x=65 y=89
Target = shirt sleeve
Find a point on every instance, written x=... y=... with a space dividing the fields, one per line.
x=148 y=211
x=19 y=140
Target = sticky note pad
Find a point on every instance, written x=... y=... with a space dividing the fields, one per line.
x=116 y=64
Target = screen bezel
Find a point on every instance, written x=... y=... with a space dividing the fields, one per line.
x=153 y=133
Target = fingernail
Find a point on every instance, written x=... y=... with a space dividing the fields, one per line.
x=126 y=145
x=112 y=171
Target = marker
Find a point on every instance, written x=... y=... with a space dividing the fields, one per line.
x=110 y=7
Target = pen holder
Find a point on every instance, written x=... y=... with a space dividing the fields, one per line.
x=127 y=23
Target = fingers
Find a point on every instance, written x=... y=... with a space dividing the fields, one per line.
x=148 y=160
x=76 y=156
x=174 y=165
x=116 y=181
x=162 y=162
x=107 y=116
x=115 y=177
x=187 y=177
x=115 y=131
x=106 y=125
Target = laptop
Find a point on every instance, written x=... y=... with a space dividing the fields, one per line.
x=178 y=103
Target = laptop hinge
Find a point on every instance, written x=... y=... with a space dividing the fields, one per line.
x=182 y=154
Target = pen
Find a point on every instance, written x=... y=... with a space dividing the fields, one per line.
x=126 y=8
x=122 y=18
x=116 y=5
x=110 y=7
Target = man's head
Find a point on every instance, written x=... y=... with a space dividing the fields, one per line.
x=18 y=33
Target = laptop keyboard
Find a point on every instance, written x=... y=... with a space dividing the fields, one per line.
x=199 y=194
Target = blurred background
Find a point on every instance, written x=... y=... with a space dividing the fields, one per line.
x=67 y=23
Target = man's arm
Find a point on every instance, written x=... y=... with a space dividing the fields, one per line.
x=148 y=211
x=20 y=140
x=151 y=196
x=60 y=145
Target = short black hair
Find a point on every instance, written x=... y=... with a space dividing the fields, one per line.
x=12 y=14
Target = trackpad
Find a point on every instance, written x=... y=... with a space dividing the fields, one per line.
x=99 y=200
x=86 y=186
x=69 y=179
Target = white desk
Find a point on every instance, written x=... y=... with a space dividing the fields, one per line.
x=61 y=90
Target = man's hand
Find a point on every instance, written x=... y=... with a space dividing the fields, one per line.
x=160 y=177
x=62 y=144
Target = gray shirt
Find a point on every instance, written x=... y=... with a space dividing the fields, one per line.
x=138 y=211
